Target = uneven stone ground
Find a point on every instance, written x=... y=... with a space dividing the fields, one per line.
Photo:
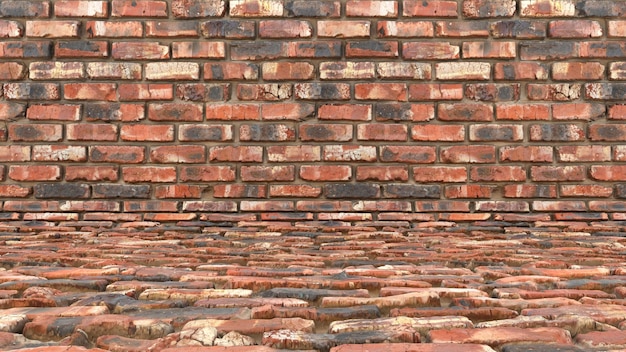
x=88 y=286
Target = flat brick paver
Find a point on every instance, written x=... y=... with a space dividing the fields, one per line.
x=266 y=287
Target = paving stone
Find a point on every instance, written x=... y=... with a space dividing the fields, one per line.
x=615 y=339
x=234 y=338
x=253 y=326
x=605 y=313
x=288 y=339
x=405 y=347
x=539 y=347
x=495 y=337
x=312 y=294
x=408 y=299
x=13 y=323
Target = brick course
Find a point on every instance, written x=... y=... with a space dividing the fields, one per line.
x=285 y=106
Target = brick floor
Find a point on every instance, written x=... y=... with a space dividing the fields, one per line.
x=195 y=286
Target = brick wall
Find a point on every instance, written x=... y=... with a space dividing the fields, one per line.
x=299 y=110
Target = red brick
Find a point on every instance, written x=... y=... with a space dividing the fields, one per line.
x=405 y=29
x=442 y=206
x=551 y=206
x=430 y=8
x=619 y=152
x=382 y=173
x=495 y=92
x=465 y=112
x=14 y=191
x=322 y=91
x=576 y=71
x=198 y=8
x=468 y=154
x=430 y=51
x=285 y=71
x=154 y=133
x=343 y=29
x=267 y=132
x=526 y=71
x=239 y=191
x=325 y=132
x=578 y=111
x=404 y=112
x=59 y=112
x=607 y=132
x=236 y=153
x=380 y=91
x=500 y=50
x=30 y=173
x=519 y=29
x=497 y=173
x=178 y=154
x=81 y=49
x=441 y=133
x=349 y=153
x=31 y=49
x=325 y=172
x=268 y=205
x=555 y=92
x=408 y=154
x=53 y=29
x=266 y=92
x=535 y=154
x=557 y=173
x=14 y=153
x=139 y=51
x=372 y=49
x=574 y=29
x=231 y=71
x=143 y=91
x=207 y=173
x=12 y=71
x=138 y=8
x=617 y=112
x=90 y=91
x=489 y=8
x=608 y=172
x=106 y=29
x=585 y=191
x=502 y=206
x=49 y=70
x=198 y=50
x=59 y=153
x=352 y=112
x=529 y=112
x=287 y=111
x=11 y=29
x=617 y=70
x=435 y=91
x=175 y=112
x=117 y=154
x=468 y=191
x=461 y=29
x=285 y=29
x=382 y=8
x=382 y=132
x=232 y=112
x=267 y=173
x=151 y=174
x=171 y=29
x=91 y=132
x=547 y=8
x=293 y=153
x=299 y=191
x=556 y=133
x=35 y=132
x=178 y=191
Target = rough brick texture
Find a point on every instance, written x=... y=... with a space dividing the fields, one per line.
x=295 y=110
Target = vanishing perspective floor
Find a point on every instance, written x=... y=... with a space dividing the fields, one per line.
x=196 y=286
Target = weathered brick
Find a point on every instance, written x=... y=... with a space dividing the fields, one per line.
x=325 y=132
x=139 y=51
x=575 y=29
x=493 y=92
x=468 y=154
x=549 y=50
x=232 y=112
x=53 y=70
x=519 y=29
x=114 y=70
x=267 y=132
x=351 y=191
x=231 y=71
x=30 y=173
x=408 y=154
x=322 y=91
x=172 y=71
x=106 y=29
x=530 y=191
x=236 y=153
x=207 y=173
x=347 y=70
x=12 y=71
x=239 y=191
x=605 y=91
x=228 y=29
x=283 y=71
x=198 y=8
x=547 y=8
x=607 y=132
x=90 y=91
x=39 y=9
x=573 y=71
x=526 y=154
x=59 y=153
x=468 y=191
x=143 y=91
x=440 y=133
x=497 y=173
x=382 y=132
x=256 y=8
x=178 y=191
x=349 y=153
x=314 y=50
x=293 y=153
x=268 y=92
x=138 y=8
x=557 y=173
x=198 y=50
x=14 y=191
x=578 y=111
x=178 y=154
x=343 y=29
x=61 y=191
x=522 y=112
x=405 y=29
x=430 y=8
x=152 y=174
x=312 y=8
x=465 y=112
x=121 y=191
x=463 y=70
x=489 y=8
x=382 y=173
x=53 y=29
x=171 y=29
x=81 y=8
x=430 y=51
x=116 y=154
x=555 y=92
x=32 y=49
x=14 y=153
x=404 y=112
x=500 y=50
x=619 y=152
x=32 y=91
x=372 y=48
x=461 y=29
x=11 y=29
x=608 y=49
x=285 y=29
x=608 y=172
x=175 y=112
x=585 y=191
x=353 y=112
x=299 y=191
x=435 y=91
x=325 y=172
x=267 y=173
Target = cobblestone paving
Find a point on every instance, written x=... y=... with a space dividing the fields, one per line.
x=323 y=287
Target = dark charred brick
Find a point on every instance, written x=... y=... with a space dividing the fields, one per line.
x=32 y=91
x=605 y=91
x=24 y=9
x=600 y=8
x=352 y=191
x=261 y=132
x=493 y=92
x=519 y=29
x=203 y=133
x=303 y=8
x=228 y=29
x=496 y=132
x=539 y=347
x=552 y=50
x=259 y=50
x=11 y=111
x=317 y=49
x=556 y=132
x=620 y=190
x=61 y=190
x=309 y=294
x=393 y=112
x=603 y=132
x=412 y=191
x=35 y=49
x=372 y=48
x=121 y=191
x=102 y=111
x=80 y=46
x=488 y=9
